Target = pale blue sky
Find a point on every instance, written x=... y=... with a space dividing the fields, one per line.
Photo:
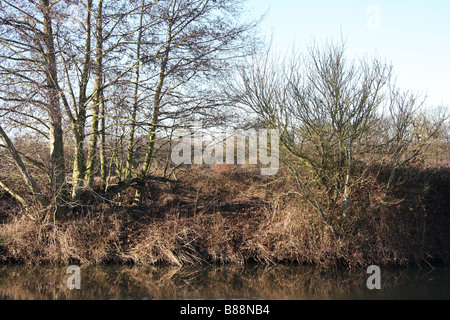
x=413 y=35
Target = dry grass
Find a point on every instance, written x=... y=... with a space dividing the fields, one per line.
x=233 y=216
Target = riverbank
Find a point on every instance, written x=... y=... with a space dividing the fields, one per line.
x=223 y=215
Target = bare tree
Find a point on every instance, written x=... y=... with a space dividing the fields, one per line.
x=193 y=42
x=30 y=74
x=64 y=68
x=330 y=112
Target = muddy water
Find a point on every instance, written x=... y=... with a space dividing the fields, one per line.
x=224 y=282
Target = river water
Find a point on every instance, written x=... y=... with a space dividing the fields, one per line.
x=285 y=282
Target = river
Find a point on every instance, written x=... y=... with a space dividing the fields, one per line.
x=253 y=281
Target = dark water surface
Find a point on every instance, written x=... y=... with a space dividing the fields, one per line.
x=284 y=282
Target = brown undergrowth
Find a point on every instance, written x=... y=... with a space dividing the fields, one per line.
x=231 y=215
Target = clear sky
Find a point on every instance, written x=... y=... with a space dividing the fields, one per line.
x=413 y=35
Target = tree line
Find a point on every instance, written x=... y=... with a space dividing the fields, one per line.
x=96 y=81
x=95 y=88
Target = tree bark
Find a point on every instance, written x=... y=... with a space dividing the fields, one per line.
x=130 y=151
x=98 y=96
x=54 y=112
x=103 y=169
x=155 y=120
x=79 y=165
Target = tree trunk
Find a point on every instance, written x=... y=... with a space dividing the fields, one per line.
x=153 y=126
x=98 y=96
x=130 y=150
x=54 y=112
x=79 y=165
x=103 y=169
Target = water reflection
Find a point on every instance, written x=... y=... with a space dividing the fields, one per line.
x=224 y=282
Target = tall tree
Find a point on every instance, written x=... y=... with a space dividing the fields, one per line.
x=98 y=95
x=195 y=41
x=30 y=59
x=79 y=121
x=73 y=96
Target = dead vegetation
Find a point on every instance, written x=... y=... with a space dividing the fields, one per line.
x=230 y=215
